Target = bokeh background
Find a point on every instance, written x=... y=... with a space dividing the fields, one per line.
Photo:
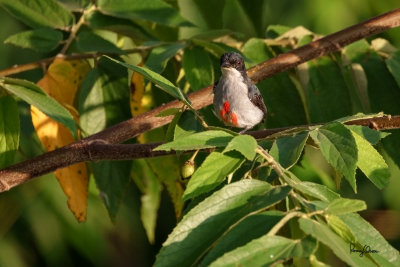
x=36 y=227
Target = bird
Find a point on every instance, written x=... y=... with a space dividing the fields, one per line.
x=237 y=100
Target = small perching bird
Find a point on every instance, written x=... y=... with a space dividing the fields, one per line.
x=237 y=101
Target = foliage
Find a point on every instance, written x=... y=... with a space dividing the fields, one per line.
x=249 y=202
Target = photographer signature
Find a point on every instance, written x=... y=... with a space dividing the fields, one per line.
x=365 y=250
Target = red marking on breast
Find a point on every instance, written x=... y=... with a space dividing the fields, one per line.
x=222 y=113
x=226 y=106
x=234 y=119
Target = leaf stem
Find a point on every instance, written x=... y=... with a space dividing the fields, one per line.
x=75 y=28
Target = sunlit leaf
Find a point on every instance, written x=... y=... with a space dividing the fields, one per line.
x=345 y=205
x=62 y=81
x=371 y=135
x=212 y=172
x=338 y=146
x=245 y=144
x=367 y=235
x=287 y=150
x=35 y=96
x=267 y=250
x=250 y=228
x=339 y=246
x=371 y=163
x=206 y=222
x=206 y=139
x=156 y=78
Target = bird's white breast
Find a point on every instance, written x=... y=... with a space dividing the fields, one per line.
x=231 y=88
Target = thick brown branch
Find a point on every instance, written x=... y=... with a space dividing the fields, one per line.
x=99 y=150
x=79 y=151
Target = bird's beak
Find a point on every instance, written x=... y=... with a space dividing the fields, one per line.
x=225 y=65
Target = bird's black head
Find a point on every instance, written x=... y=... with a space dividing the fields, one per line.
x=233 y=60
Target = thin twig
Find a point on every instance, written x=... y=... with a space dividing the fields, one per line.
x=44 y=62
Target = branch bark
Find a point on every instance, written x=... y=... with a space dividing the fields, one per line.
x=88 y=149
x=96 y=150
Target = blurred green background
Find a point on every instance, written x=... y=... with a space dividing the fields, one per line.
x=36 y=227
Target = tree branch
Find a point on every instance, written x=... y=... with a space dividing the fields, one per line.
x=88 y=149
x=96 y=150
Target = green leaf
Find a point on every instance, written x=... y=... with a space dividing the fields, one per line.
x=151 y=190
x=245 y=144
x=156 y=78
x=379 y=77
x=9 y=130
x=34 y=95
x=371 y=135
x=236 y=16
x=159 y=56
x=314 y=190
x=276 y=30
x=41 y=40
x=327 y=93
x=88 y=41
x=340 y=228
x=187 y=125
x=367 y=235
x=97 y=20
x=152 y=10
x=103 y=99
x=245 y=231
x=169 y=135
x=212 y=172
x=287 y=150
x=338 y=146
x=267 y=250
x=206 y=139
x=204 y=14
x=93 y=117
x=276 y=88
x=393 y=64
x=345 y=205
x=339 y=246
x=211 y=218
x=112 y=179
x=198 y=67
x=256 y=50
x=371 y=163
x=36 y=14
x=168 y=172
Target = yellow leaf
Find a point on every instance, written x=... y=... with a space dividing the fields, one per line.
x=62 y=81
x=136 y=94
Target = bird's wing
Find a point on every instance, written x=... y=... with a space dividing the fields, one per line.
x=215 y=86
x=256 y=98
